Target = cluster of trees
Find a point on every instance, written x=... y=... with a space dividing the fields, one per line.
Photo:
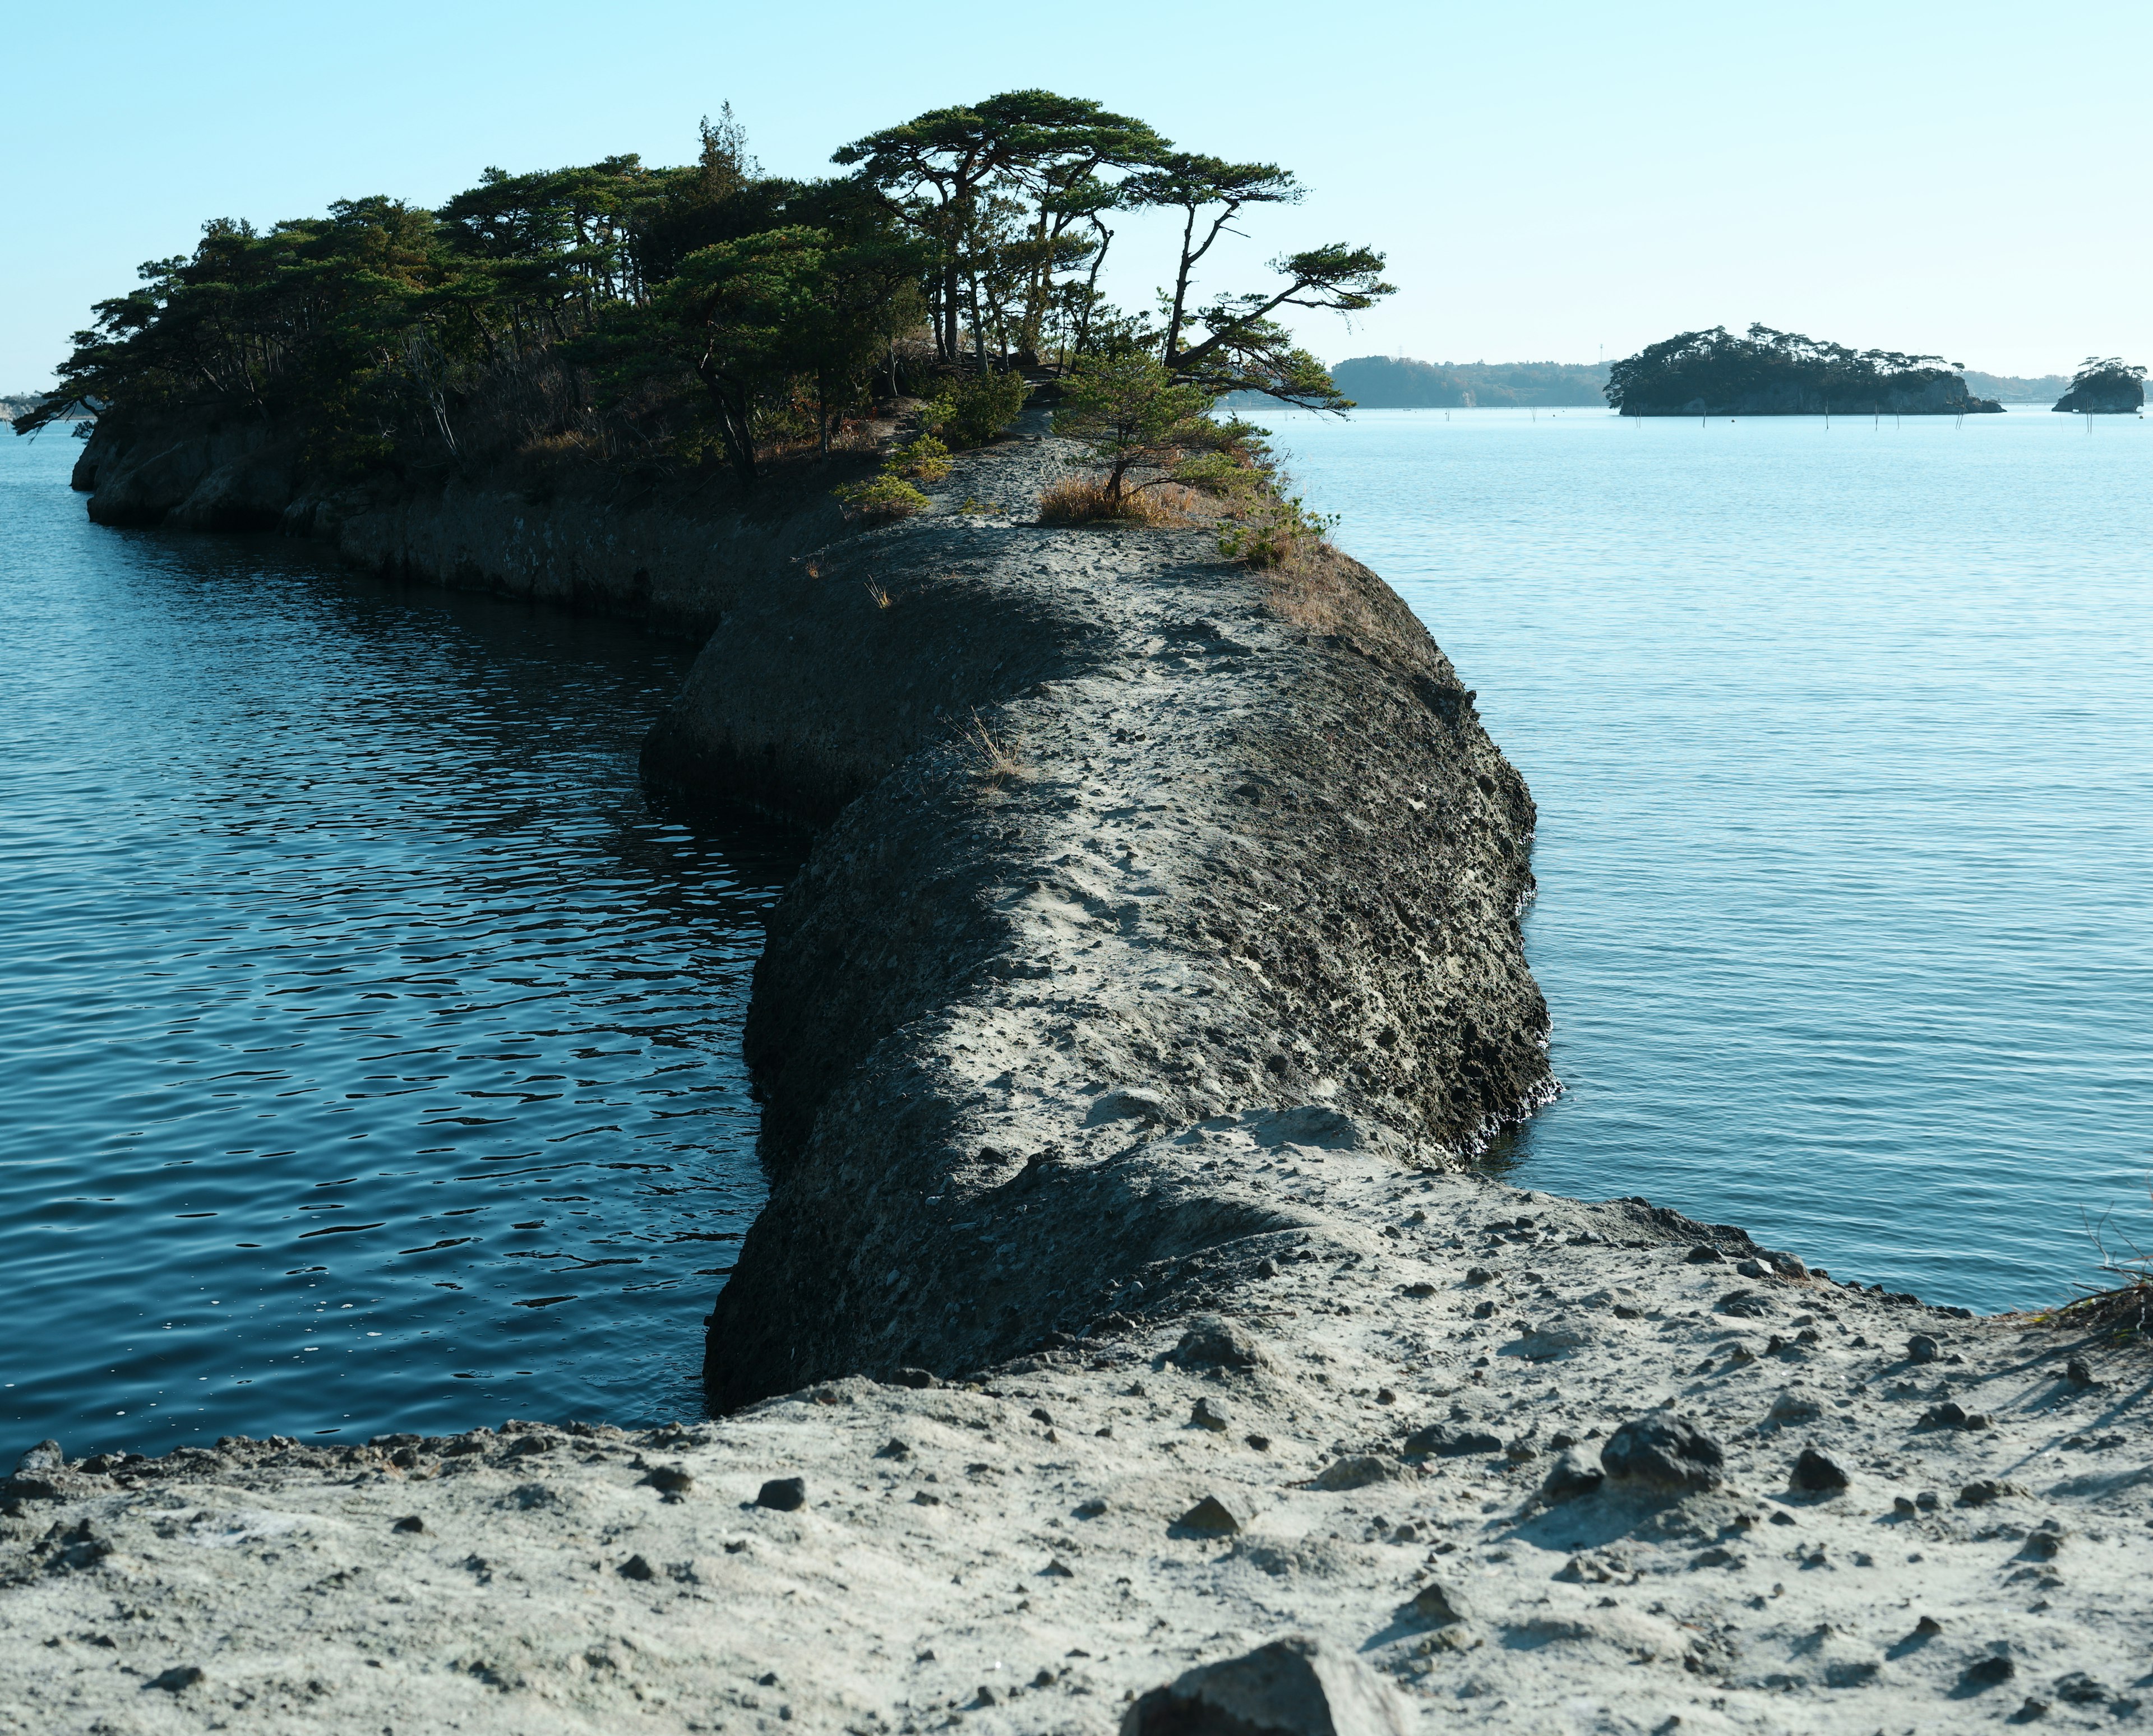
x=708 y=311
x=1767 y=373
x=2105 y=385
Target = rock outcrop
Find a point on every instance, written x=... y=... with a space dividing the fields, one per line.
x=1124 y=843
x=675 y=553
x=2118 y=392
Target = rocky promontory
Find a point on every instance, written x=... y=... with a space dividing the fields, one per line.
x=2106 y=386
x=1128 y=1344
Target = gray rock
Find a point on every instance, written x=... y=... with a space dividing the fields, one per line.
x=2075 y=1371
x=1662 y=1452
x=1439 y=1603
x=1570 y=1479
x=409 y=1522
x=180 y=1676
x=1988 y=1672
x=671 y=1478
x=2079 y=1689
x=1204 y=1415
x=1290 y=1687
x=787 y=1494
x=1791 y=1407
x=1549 y=1342
x=1209 y=1517
x=1211 y=1342
x=1745 y=1304
x=635 y=1567
x=1446 y=1441
x=1980 y=1492
x=1357 y=1471
x=1923 y=1349
x=1815 y=1473
x=40 y=1459
x=1704 y=1254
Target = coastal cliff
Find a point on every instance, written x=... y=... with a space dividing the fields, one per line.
x=1248 y=860
x=674 y=552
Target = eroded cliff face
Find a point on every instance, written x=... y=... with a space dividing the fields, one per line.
x=677 y=554
x=1123 y=843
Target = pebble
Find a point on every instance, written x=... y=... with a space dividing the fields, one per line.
x=785 y=1495
x=1204 y=1415
x=1209 y=1517
x=1814 y=1473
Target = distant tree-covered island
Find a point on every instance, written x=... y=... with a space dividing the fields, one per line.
x=2106 y=386
x=1783 y=374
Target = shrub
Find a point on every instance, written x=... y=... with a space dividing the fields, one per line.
x=881 y=498
x=923 y=458
x=1087 y=500
x=1273 y=532
x=976 y=408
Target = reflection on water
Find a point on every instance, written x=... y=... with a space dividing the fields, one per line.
x=372 y=1041
x=1840 y=738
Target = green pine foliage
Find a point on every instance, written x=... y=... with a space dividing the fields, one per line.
x=708 y=314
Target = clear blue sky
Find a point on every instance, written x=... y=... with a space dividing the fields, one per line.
x=1548 y=179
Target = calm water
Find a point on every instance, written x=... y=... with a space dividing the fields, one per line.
x=371 y=1043
x=1843 y=745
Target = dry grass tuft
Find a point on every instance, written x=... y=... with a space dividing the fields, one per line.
x=998 y=757
x=1083 y=500
x=2123 y=1309
x=880 y=596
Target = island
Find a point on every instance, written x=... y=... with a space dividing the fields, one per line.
x=1783 y=374
x=2106 y=386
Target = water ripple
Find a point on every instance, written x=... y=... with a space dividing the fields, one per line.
x=354 y=997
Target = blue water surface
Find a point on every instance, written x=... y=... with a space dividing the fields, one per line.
x=1842 y=740
x=371 y=1041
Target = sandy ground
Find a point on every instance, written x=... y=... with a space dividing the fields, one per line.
x=1010 y=1553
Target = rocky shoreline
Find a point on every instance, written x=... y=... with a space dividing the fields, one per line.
x=1124 y=1305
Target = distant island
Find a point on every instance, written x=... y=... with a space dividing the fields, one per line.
x=1395 y=383
x=2106 y=386
x=1783 y=374
x=2015 y=387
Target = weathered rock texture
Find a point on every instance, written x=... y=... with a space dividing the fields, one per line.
x=677 y=554
x=1178 y=1020
x=1250 y=862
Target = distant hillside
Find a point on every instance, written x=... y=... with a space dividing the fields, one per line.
x=21 y=404
x=1385 y=382
x=2018 y=388
x=1397 y=383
